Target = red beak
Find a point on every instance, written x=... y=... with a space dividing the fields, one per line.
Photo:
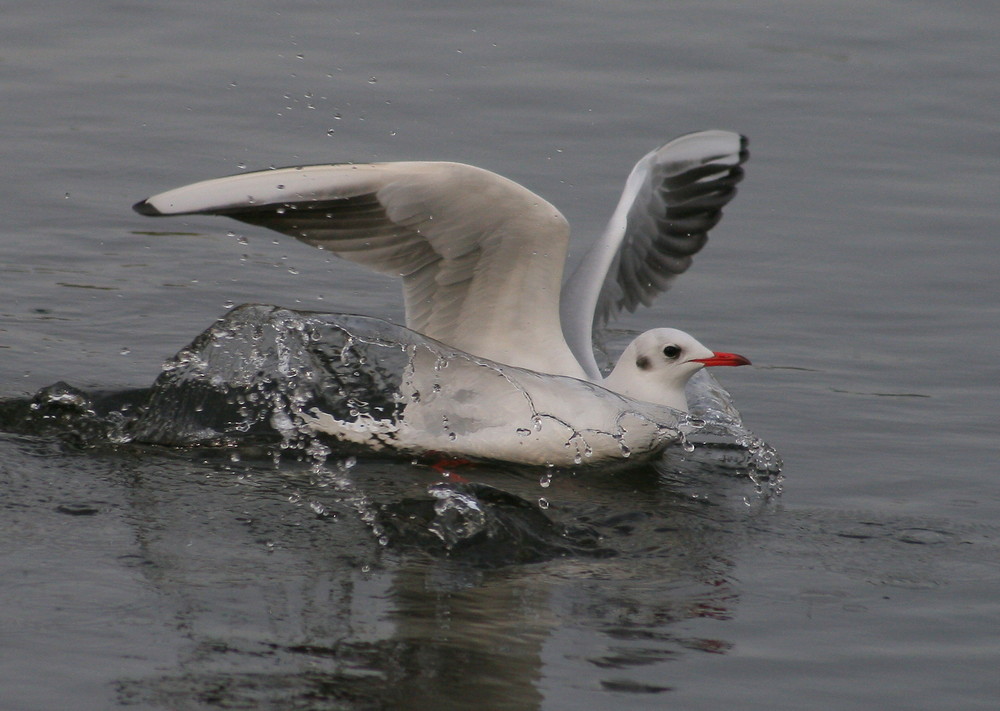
x=723 y=359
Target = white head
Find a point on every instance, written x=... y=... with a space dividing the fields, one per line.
x=657 y=365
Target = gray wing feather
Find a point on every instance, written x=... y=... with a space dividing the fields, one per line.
x=481 y=257
x=666 y=226
x=672 y=198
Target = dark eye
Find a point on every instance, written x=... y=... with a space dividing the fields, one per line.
x=671 y=352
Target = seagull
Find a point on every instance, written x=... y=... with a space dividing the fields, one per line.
x=481 y=257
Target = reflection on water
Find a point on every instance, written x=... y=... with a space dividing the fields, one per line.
x=859 y=254
x=357 y=606
x=349 y=585
x=302 y=572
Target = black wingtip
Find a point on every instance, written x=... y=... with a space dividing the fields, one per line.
x=144 y=208
x=744 y=149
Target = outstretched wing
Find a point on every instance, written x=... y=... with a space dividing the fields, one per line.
x=672 y=198
x=481 y=257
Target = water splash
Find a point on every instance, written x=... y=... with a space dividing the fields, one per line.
x=258 y=376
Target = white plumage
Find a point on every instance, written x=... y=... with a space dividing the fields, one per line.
x=481 y=257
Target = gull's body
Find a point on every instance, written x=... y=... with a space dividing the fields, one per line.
x=481 y=257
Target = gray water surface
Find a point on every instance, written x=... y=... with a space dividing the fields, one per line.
x=856 y=268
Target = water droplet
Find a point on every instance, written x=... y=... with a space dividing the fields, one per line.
x=524 y=432
x=687 y=445
x=545 y=480
x=372 y=80
x=125 y=350
x=543 y=503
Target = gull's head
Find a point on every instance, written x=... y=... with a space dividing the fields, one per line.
x=658 y=364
